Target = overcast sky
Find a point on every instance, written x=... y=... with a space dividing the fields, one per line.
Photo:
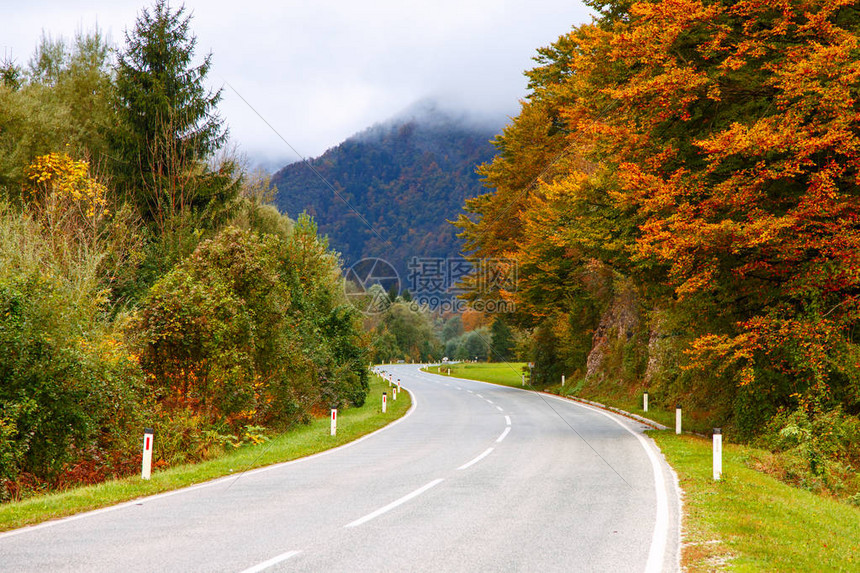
x=320 y=70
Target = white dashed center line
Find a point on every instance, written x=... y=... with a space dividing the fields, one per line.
x=395 y=503
x=480 y=457
x=273 y=561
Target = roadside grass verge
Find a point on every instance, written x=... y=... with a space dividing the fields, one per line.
x=749 y=521
x=299 y=442
x=504 y=373
x=510 y=374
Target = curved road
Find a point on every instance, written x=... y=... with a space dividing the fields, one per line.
x=476 y=477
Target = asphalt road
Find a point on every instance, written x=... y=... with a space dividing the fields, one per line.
x=476 y=477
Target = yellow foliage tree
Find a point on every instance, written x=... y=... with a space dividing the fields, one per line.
x=64 y=195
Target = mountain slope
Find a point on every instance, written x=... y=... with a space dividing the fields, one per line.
x=405 y=178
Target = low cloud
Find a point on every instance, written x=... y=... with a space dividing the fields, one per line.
x=321 y=71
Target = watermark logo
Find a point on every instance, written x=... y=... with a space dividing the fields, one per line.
x=368 y=283
x=434 y=283
x=439 y=276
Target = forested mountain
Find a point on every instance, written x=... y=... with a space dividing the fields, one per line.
x=405 y=178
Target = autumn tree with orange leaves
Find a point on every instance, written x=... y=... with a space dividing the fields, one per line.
x=708 y=154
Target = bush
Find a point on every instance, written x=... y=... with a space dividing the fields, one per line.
x=820 y=449
x=70 y=389
x=247 y=331
x=67 y=383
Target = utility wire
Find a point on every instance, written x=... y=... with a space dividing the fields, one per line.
x=504 y=212
x=556 y=412
x=333 y=190
x=311 y=167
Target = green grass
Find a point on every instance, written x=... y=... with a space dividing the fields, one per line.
x=510 y=374
x=661 y=413
x=302 y=441
x=504 y=373
x=749 y=521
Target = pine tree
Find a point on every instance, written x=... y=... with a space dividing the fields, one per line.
x=11 y=75
x=168 y=118
x=502 y=342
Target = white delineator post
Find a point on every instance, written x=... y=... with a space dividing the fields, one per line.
x=146 y=464
x=524 y=379
x=333 y=421
x=677 y=418
x=562 y=380
x=384 y=401
x=718 y=454
x=394 y=393
x=645 y=401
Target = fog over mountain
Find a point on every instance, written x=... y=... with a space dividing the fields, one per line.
x=390 y=190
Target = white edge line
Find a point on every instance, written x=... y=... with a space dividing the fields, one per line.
x=477 y=459
x=661 y=523
x=394 y=503
x=680 y=516
x=504 y=434
x=660 y=534
x=659 y=537
x=273 y=561
x=216 y=481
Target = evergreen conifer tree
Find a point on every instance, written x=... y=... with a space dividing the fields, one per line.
x=168 y=121
x=502 y=341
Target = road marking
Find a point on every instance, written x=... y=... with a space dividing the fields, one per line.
x=469 y=391
x=500 y=409
x=273 y=561
x=477 y=459
x=659 y=537
x=457 y=387
x=394 y=504
x=504 y=434
x=508 y=420
x=216 y=481
x=489 y=401
x=478 y=395
x=661 y=523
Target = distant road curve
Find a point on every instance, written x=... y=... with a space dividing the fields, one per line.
x=477 y=477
